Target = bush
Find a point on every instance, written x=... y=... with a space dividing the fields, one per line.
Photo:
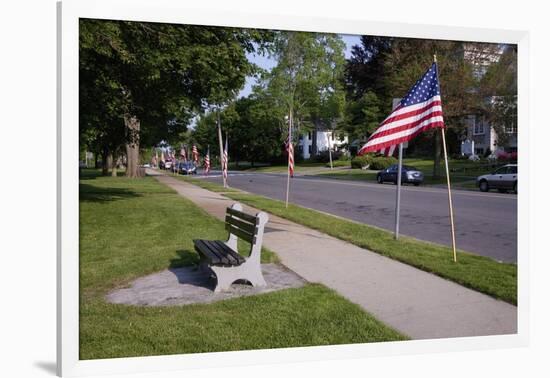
x=361 y=162
x=323 y=157
x=339 y=163
x=382 y=162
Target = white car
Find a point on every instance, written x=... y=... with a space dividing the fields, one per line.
x=503 y=179
x=167 y=164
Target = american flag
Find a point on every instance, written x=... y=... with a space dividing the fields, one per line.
x=195 y=154
x=225 y=160
x=418 y=111
x=290 y=152
x=207 y=161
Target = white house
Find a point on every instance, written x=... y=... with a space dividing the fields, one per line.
x=481 y=136
x=314 y=142
x=480 y=133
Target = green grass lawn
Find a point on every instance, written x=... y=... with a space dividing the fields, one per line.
x=133 y=227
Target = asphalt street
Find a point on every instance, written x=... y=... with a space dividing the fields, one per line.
x=485 y=223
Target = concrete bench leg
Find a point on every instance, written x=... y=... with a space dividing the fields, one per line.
x=226 y=275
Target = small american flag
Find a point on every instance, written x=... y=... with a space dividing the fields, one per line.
x=207 y=161
x=290 y=152
x=195 y=154
x=418 y=111
x=225 y=160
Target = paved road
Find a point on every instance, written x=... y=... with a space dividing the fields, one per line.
x=486 y=223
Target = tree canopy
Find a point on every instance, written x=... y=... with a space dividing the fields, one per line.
x=155 y=76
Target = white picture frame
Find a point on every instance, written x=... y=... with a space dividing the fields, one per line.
x=169 y=11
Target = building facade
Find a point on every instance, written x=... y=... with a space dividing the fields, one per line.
x=315 y=142
x=482 y=138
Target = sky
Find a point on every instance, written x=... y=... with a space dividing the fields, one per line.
x=267 y=63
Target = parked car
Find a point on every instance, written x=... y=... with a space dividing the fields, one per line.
x=167 y=164
x=187 y=168
x=409 y=175
x=503 y=179
x=509 y=153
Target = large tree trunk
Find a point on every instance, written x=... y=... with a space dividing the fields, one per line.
x=114 y=162
x=132 y=146
x=437 y=156
x=104 y=162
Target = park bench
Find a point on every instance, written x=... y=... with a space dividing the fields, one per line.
x=223 y=259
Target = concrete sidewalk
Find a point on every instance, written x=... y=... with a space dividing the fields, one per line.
x=418 y=304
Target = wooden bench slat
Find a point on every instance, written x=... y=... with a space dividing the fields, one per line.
x=227 y=258
x=240 y=233
x=221 y=255
x=240 y=214
x=245 y=226
x=203 y=249
x=239 y=259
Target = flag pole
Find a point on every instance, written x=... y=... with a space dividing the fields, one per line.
x=398 y=195
x=221 y=146
x=226 y=158
x=288 y=152
x=453 y=239
x=329 y=151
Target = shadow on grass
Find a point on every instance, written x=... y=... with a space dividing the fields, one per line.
x=93 y=173
x=185 y=258
x=91 y=193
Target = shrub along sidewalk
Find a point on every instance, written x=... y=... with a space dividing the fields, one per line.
x=134 y=227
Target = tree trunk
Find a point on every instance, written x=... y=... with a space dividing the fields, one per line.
x=437 y=156
x=96 y=160
x=104 y=162
x=132 y=146
x=114 y=162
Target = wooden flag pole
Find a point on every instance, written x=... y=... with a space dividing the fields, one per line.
x=398 y=198
x=448 y=183
x=221 y=147
x=288 y=151
x=449 y=192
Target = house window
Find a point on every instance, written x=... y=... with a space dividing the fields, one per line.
x=479 y=127
x=309 y=149
x=332 y=135
x=309 y=135
x=511 y=128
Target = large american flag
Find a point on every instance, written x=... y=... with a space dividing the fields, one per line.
x=195 y=154
x=290 y=152
x=225 y=160
x=207 y=161
x=418 y=111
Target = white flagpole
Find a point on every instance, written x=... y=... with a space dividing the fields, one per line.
x=226 y=158
x=329 y=151
x=288 y=149
x=448 y=183
x=398 y=195
x=221 y=147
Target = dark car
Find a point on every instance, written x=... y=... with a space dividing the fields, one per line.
x=187 y=168
x=409 y=175
x=503 y=179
